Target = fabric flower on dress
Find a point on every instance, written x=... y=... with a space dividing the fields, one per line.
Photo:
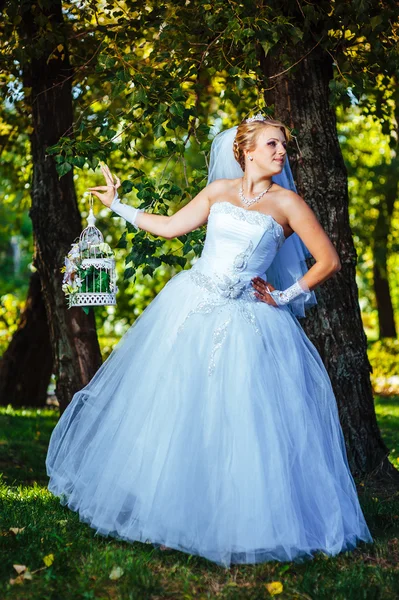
x=230 y=287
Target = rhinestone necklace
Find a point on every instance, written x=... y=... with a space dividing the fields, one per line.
x=249 y=201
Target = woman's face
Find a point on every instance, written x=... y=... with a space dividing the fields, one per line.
x=270 y=151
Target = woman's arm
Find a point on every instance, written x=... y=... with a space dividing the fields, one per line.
x=188 y=218
x=304 y=223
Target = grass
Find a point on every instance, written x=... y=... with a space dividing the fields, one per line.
x=65 y=560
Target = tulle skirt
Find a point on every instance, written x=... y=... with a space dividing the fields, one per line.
x=212 y=429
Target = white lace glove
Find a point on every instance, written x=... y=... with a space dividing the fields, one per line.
x=129 y=213
x=284 y=297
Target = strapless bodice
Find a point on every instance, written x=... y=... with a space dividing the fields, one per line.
x=239 y=245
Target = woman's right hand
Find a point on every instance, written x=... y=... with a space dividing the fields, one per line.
x=108 y=190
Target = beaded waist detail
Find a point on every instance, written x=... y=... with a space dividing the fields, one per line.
x=229 y=285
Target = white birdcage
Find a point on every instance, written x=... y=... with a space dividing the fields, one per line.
x=90 y=276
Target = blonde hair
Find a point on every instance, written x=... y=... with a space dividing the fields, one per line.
x=247 y=134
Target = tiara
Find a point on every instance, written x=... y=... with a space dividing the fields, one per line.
x=258 y=117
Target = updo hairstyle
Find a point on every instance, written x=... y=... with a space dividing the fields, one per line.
x=247 y=134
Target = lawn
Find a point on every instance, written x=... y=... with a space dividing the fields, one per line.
x=61 y=558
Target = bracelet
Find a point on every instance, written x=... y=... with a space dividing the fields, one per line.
x=282 y=297
x=129 y=213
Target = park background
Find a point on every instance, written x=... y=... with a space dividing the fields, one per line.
x=146 y=87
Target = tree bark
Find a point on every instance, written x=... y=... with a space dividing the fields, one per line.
x=26 y=365
x=54 y=212
x=386 y=317
x=301 y=100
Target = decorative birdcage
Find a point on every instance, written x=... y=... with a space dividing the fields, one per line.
x=89 y=271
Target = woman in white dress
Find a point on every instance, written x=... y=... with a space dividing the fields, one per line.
x=212 y=428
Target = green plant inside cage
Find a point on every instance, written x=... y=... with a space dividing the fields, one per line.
x=94 y=280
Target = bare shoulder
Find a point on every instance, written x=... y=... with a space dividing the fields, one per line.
x=220 y=187
x=288 y=197
x=289 y=200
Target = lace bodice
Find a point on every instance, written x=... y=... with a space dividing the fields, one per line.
x=239 y=241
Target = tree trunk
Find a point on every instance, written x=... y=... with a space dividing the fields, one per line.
x=55 y=215
x=301 y=100
x=386 y=317
x=26 y=365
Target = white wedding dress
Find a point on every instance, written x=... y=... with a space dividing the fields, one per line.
x=212 y=428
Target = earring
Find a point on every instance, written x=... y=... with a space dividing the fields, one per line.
x=250 y=158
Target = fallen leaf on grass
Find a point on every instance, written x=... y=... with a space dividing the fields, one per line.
x=16 y=530
x=274 y=588
x=19 y=568
x=17 y=580
x=116 y=572
x=23 y=573
x=48 y=560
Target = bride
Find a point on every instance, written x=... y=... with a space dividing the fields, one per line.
x=212 y=428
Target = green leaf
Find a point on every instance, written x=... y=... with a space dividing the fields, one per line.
x=127 y=186
x=177 y=109
x=53 y=149
x=123 y=75
x=154 y=261
x=122 y=243
x=148 y=270
x=94 y=163
x=130 y=228
x=375 y=21
x=110 y=133
x=140 y=96
x=181 y=261
x=129 y=273
x=159 y=131
x=177 y=94
x=118 y=88
x=267 y=46
x=78 y=161
x=161 y=152
x=105 y=61
x=171 y=146
x=63 y=168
